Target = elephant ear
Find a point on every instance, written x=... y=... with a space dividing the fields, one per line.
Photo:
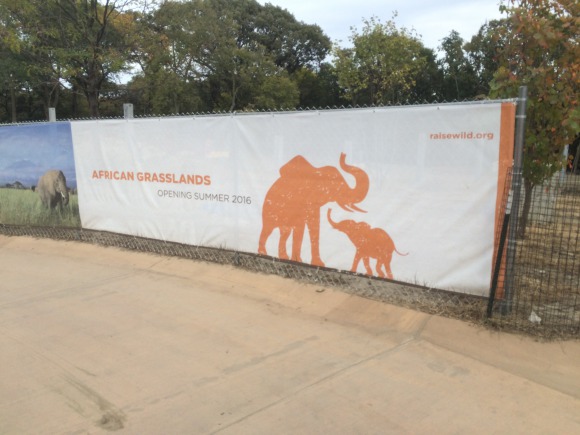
x=298 y=167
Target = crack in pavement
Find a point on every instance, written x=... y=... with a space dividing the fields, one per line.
x=415 y=337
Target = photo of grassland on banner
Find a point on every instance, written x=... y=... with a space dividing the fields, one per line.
x=407 y=193
x=37 y=175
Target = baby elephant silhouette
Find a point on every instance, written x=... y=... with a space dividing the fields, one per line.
x=369 y=243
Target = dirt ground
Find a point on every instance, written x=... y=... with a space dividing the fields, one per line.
x=96 y=339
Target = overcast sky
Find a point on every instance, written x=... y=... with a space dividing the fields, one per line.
x=432 y=20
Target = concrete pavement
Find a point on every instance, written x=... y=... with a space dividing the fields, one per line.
x=96 y=340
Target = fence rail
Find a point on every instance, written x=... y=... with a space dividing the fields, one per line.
x=128 y=112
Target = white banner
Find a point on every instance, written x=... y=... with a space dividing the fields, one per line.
x=426 y=178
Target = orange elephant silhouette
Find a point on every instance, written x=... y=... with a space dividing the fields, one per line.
x=369 y=243
x=294 y=201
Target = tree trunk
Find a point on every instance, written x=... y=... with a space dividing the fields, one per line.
x=51 y=95
x=234 y=94
x=75 y=102
x=13 y=102
x=523 y=222
x=93 y=100
x=90 y=86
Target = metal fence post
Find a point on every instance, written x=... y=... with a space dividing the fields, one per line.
x=517 y=177
x=128 y=111
x=498 y=260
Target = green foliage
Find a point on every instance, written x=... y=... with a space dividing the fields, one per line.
x=222 y=55
x=429 y=80
x=319 y=88
x=79 y=42
x=199 y=55
x=277 y=92
x=383 y=65
x=204 y=55
x=482 y=53
x=292 y=44
x=459 y=79
x=541 y=51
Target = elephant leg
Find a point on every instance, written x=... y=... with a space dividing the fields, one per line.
x=387 y=263
x=297 y=238
x=379 y=268
x=314 y=230
x=267 y=229
x=284 y=234
x=355 y=262
x=367 y=263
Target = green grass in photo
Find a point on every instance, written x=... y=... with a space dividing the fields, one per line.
x=23 y=207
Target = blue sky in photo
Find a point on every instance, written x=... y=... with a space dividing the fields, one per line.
x=28 y=151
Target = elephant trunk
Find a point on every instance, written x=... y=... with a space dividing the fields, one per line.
x=64 y=197
x=333 y=224
x=61 y=189
x=359 y=191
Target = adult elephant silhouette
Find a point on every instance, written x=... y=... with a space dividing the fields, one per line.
x=52 y=189
x=369 y=243
x=294 y=201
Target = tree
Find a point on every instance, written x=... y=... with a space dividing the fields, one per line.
x=459 y=80
x=542 y=52
x=93 y=47
x=382 y=66
x=482 y=53
x=11 y=75
x=319 y=88
x=276 y=91
x=81 y=42
x=215 y=55
x=196 y=55
x=429 y=80
x=270 y=46
x=292 y=44
x=177 y=45
x=24 y=66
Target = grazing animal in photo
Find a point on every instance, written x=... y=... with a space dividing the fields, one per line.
x=369 y=243
x=52 y=189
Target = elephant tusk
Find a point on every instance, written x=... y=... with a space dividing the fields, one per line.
x=351 y=208
x=354 y=207
x=345 y=207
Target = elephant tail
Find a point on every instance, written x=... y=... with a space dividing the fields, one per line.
x=401 y=254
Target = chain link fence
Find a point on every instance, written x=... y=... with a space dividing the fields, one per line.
x=544 y=275
x=545 y=272
x=546 y=268
x=429 y=300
